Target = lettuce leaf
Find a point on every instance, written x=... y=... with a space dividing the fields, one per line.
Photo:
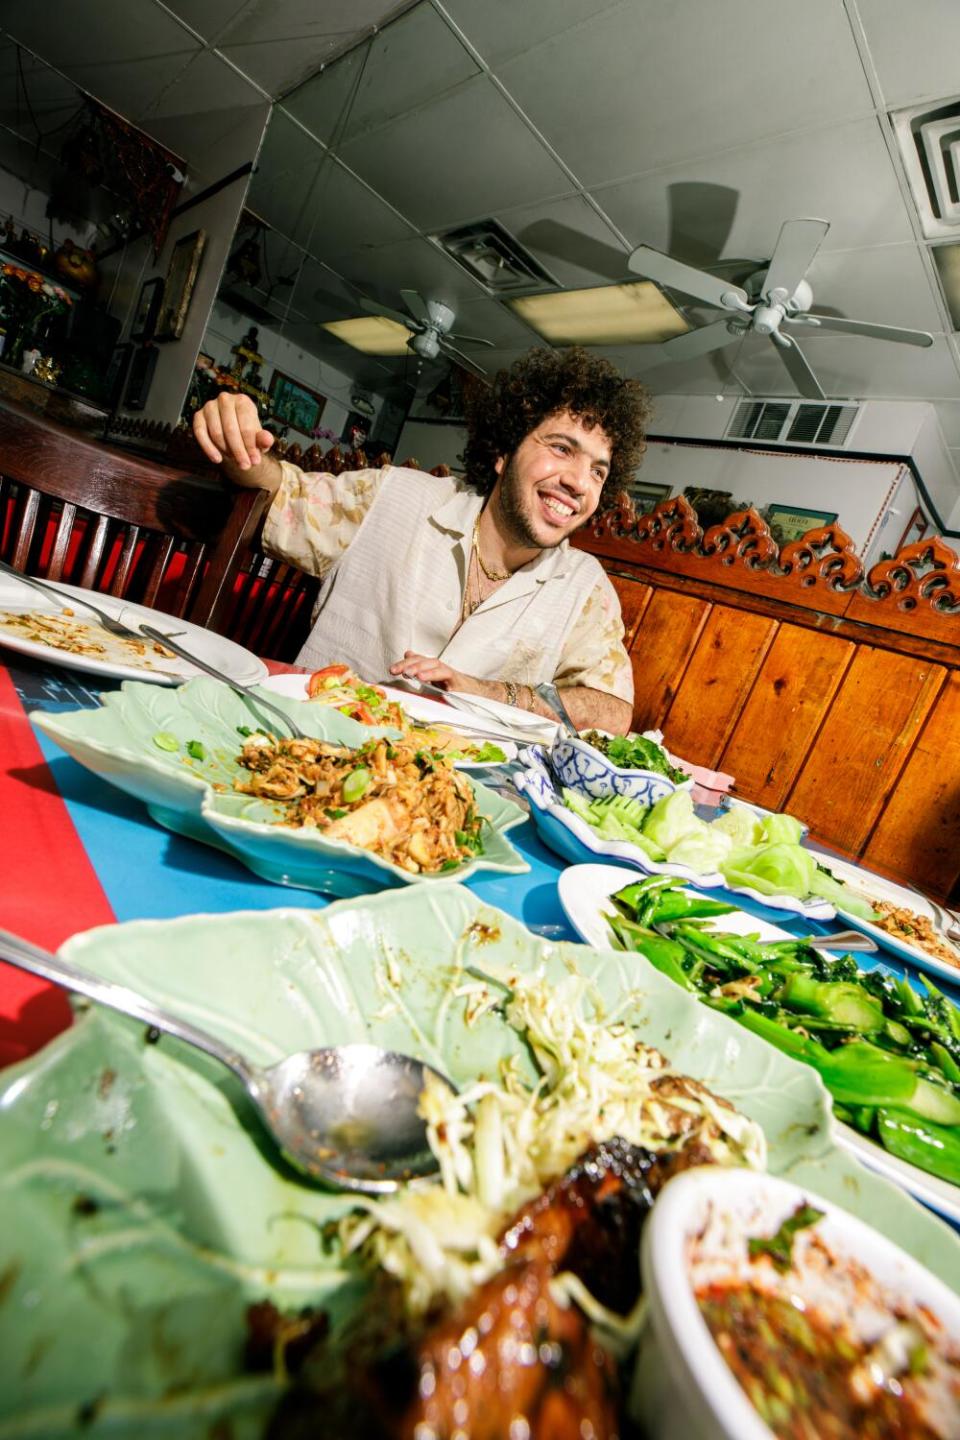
x=672 y=818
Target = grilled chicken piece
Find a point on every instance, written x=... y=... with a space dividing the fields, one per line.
x=510 y=1360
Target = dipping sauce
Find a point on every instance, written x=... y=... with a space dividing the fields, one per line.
x=809 y=1379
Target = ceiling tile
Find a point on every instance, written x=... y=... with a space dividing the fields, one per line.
x=459 y=157
x=713 y=374
x=207 y=17
x=412 y=265
x=362 y=220
x=631 y=92
x=206 y=85
x=914 y=51
x=414 y=59
x=734 y=204
x=570 y=240
x=493 y=321
x=211 y=116
x=854 y=366
x=279 y=44
x=123 y=55
x=287 y=166
x=225 y=140
x=500 y=29
x=29 y=88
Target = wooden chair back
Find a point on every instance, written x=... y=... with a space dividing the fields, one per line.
x=75 y=510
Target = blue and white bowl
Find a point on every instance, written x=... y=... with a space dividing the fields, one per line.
x=584 y=768
x=569 y=835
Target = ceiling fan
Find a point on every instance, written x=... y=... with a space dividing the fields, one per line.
x=431 y=323
x=768 y=301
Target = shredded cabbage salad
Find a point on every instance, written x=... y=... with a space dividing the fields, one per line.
x=500 y=1142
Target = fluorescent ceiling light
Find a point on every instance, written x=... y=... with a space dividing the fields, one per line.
x=373 y=334
x=947 y=259
x=636 y=313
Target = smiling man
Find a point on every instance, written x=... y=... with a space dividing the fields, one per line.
x=469 y=583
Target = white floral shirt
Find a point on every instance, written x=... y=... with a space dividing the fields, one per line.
x=392 y=546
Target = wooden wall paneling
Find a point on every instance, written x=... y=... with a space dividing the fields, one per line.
x=634 y=597
x=662 y=646
x=918 y=835
x=778 y=724
x=865 y=740
x=714 y=689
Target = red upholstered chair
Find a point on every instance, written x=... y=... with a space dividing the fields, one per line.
x=75 y=510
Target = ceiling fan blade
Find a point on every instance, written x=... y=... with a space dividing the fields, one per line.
x=373 y=308
x=416 y=304
x=697 y=283
x=463 y=359
x=862 y=327
x=469 y=339
x=793 y=254
x=800 y=372
x=689 y=346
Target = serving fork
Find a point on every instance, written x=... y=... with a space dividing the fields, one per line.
x=247 y=691
x=110 y=623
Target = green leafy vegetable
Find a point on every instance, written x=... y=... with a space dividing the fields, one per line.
x=635 y=752
x=196 y=749
x=888 y=1053
x=779 y=1247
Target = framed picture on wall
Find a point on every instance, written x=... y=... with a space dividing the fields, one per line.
x=645 y=495
x=292 y=403
x=917 y=528
x=140 y=377
x=182 y=275
x=792 y=522
x=148 y=308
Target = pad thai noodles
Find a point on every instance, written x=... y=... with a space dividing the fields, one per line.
x=402 y=802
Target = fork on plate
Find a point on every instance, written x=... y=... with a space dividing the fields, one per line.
x=110 y=623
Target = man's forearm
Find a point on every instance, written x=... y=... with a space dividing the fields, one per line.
x=588 y=709
x=596 y=709
x=265 y=476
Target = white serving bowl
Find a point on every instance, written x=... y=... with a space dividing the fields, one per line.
x=696 y=1234
x=582 y=767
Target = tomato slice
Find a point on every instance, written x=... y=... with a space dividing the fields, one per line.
x=317 y=680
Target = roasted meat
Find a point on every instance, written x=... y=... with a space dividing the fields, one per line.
x=512 y=1361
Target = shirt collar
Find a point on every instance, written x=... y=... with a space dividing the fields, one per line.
x=457 y=515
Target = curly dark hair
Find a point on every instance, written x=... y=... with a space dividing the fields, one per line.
x=541 y=383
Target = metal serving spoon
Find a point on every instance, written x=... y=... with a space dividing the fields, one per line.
x=346 y=1114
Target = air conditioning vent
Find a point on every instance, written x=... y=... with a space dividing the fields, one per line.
x=792 y=423
x=493 y=257
x=929 y=140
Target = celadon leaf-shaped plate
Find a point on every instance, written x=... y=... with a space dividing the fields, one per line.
x=144 y=1208
x=195 y=797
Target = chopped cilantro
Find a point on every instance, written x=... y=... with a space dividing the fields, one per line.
x=779 y=1247
x=196 y=749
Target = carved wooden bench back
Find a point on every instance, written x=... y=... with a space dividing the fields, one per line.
x=824 y=691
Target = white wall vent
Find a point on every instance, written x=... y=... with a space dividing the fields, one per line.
x=929 y=140
x=793 y=422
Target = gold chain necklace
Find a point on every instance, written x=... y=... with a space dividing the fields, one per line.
x=493 y=575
